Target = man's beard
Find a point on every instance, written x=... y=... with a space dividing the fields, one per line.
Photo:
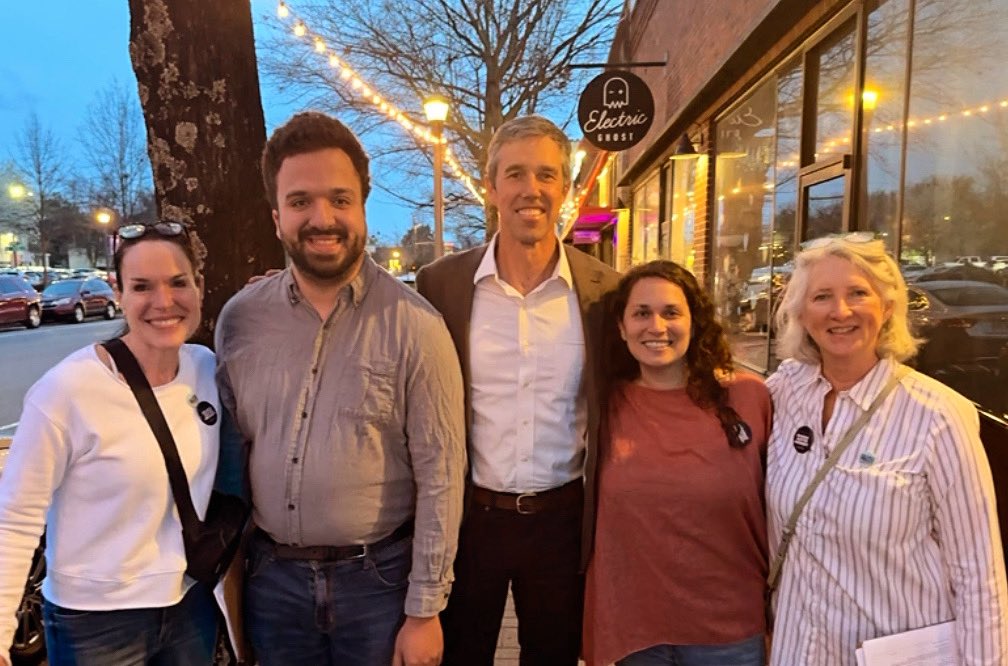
x=332 y=270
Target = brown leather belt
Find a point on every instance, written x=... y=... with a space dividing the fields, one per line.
x=332 y=553
x=566 y=496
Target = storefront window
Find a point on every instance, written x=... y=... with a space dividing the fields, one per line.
x=744 y=186
x=882 y=104
x=683 y=219
x=954 y=236
x=834 y=61
x=645 y=223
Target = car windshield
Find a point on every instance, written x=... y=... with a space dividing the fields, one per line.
x=66 y=288
x=973 y=295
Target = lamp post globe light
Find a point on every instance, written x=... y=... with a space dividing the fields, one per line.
x=16 y=192
x=436 y=110
x=104 y=217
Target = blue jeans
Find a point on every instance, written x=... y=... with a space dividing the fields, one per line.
x=314 y=613
x=184 y=634
x=748 y=652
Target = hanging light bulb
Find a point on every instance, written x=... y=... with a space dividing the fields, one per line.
x=282 y=10
x=300 y=29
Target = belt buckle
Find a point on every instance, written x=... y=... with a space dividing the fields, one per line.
x=364 y=553
x=518 y=503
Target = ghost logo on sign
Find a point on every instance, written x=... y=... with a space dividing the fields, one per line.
x=616 y=94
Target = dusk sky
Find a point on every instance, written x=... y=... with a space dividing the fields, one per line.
x=55 y=55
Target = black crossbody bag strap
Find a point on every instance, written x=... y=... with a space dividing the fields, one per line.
x=129 y=367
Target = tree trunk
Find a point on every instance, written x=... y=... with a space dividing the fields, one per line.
x=199 y=87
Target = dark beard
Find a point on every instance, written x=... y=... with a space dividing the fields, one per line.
x=324 y=271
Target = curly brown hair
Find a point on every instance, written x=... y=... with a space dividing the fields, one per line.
x=708 y=352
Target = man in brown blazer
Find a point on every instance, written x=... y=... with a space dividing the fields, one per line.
x=526 y=316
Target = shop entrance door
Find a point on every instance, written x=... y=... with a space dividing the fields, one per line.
x=825 y=199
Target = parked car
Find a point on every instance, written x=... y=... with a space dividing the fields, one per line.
x=964 y=322
x=956 y=272
x=29 y=636
x=19 y=302
x=971 y=260
x=74 y=300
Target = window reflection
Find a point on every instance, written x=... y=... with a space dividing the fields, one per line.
x=744 y=186
x=646 y=231
x=834 y=60
x=882 y=104
x=684 y=210
x=954 y=194
x=824 y=208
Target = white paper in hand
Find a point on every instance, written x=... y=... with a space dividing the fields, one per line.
x=928 y=646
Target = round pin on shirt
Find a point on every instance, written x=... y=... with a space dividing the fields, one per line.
x=206 y=413
x=803 y=439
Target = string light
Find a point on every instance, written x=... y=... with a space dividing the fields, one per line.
x=372 y=97
x=912 y=123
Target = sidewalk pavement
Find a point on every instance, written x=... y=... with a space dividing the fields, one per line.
x=507 y=641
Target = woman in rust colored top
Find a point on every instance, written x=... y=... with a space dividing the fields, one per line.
x=680 y=558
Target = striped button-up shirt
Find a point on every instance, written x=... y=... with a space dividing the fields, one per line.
x=901 y=534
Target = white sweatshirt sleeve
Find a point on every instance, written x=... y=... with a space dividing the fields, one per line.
x=39 y=457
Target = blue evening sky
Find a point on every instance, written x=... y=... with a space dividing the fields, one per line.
x=56 y=54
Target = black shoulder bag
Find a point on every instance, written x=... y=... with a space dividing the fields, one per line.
x=210 y=545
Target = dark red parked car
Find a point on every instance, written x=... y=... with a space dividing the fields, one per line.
x=74 y=300
x=19 y=302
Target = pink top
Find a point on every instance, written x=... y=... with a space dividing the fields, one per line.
x=680 y=552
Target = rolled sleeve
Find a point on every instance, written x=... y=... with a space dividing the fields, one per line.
x=435 y=429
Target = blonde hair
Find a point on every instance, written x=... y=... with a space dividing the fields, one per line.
x=895 y=340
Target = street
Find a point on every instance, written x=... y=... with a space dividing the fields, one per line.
x=26 y=355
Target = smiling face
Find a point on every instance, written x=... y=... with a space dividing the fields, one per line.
x=656 y=326
x=528 y=189
x=843 y=313
x=320 y=215
x=160 y=297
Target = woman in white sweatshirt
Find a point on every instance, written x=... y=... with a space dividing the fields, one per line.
x=85 y=464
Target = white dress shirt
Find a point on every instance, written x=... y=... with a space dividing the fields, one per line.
x=526 y=353
x=901 y=534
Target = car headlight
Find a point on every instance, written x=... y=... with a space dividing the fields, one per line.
x=61 y=301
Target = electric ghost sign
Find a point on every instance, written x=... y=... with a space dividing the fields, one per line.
x=615 y=110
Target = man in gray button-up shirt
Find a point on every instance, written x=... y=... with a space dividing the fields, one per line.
x=348 y=386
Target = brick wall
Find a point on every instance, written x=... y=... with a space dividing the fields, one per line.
x=697 y=36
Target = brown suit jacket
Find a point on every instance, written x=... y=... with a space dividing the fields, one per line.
x=448 y=285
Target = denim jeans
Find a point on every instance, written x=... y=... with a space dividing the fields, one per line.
x=184 y=634
x=748 y=652
x=314 y=613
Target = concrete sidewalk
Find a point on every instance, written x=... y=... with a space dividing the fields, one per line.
x=507 y=641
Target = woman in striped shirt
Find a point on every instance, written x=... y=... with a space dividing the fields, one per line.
x=902 y=533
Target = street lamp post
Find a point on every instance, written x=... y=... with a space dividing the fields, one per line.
x=16 y=191
x=104 y=217
x=436 y=109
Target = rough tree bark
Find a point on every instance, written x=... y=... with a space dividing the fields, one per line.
x=198 y=81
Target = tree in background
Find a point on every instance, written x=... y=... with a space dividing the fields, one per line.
x=417 y=247
x=40 y=160
x=492 y=59
x=199 y=89
x=113 y=141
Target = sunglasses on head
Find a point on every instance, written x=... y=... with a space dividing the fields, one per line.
x=166 y=229
x=852 y=237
